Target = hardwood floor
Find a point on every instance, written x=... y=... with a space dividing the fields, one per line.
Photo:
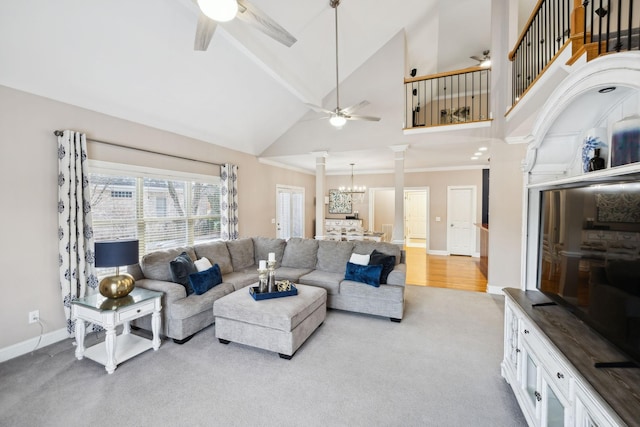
x=455 y=272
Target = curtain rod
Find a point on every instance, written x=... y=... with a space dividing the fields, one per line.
x=59 y=133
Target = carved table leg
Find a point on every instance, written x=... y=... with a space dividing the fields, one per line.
x=155 y=328
x=80 y=331
x=110 y=344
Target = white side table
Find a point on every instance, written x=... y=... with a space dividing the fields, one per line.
x=110 y=313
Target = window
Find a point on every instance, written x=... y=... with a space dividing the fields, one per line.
x=158 y=208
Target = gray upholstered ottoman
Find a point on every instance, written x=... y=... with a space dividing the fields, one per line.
x=278 y=324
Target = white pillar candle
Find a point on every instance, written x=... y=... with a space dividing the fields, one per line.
x=272 y=256
x=263 y=265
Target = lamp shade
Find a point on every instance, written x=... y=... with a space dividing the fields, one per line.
x=116 y=253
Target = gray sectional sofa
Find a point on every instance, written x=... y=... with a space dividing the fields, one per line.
x=307 y=261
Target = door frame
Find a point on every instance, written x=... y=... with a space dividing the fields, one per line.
x=372 y=200
x=277 y=213
x=426 y=214
x=474 y=215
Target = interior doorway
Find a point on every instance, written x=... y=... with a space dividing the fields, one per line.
x=461 y=214
x=416 y=214
x=289 y=212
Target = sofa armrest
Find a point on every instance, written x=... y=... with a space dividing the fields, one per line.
x=172 y=291
x=397 y=275
x=135 y=271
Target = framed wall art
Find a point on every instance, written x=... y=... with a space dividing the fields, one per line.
x=339 y=202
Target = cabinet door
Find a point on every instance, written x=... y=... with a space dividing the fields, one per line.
x=530 y=381
x=554 y=413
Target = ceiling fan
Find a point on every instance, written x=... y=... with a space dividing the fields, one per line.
x=339 y=116
x=214 y=11
x=485 y=61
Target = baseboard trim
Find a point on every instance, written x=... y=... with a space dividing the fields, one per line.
x=496 y=290
x=29 y=345
x=435 y=252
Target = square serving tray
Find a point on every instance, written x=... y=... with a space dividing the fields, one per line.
x=253 y=290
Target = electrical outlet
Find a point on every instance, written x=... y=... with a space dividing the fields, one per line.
x=34 y=316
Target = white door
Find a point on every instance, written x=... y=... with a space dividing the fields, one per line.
x=416 y=202
x=461 y=212
x=289 y=212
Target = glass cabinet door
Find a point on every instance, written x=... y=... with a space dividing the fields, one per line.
x=531 y=380
x=554 y=416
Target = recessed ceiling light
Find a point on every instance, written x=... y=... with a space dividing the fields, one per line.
x=474 y=158
x=607 y=89
x=477 y=154
x=482 y=149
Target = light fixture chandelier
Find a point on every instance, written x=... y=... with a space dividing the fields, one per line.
x=356 y=193
x=219 y=10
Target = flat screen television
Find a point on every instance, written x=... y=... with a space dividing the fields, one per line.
x=589 y=255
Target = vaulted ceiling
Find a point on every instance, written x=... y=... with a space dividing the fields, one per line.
x=135 y=60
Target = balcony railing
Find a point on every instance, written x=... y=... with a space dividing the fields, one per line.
x=593 y=26
x=447 y=98
x=546 y=32
x=611 y=23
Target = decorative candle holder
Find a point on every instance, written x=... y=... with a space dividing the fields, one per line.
x=263 y=276
x=271 y=267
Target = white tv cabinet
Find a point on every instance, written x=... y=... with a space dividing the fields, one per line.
x=549 y=357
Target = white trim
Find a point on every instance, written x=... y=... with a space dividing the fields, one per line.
x=448 y=128
x=496 y=290
x=438 y=252
x=276 y=164
x=110 y=168
x=29 y=345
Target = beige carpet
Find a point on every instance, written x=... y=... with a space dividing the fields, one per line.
x=439 y=367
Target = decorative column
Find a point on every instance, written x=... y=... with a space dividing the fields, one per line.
x=321 y=159
x=398 y=223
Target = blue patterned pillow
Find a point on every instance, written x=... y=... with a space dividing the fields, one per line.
x=369 y=274
x=202 y=281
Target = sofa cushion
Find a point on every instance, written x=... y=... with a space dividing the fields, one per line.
x=217 y=253
x=195 y=304
x=384 y=292
x=181 y=267
x=323 y=279
x=202 y=281
x=300 y=253
x=241 y=252
x=333 y=256
x=155 y=265
x=240 y=279
x=366 y=247
x=386 y=261
x=369 y=274
x=291 y=273
x=262 y=246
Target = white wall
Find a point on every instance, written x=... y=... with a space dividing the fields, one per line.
x=28 y=168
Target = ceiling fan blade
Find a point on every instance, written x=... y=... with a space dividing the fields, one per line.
x=204 y=32
x=367 y=118
x=477 y=58
x=255 y=17
x=318 y=109
x=355 y=107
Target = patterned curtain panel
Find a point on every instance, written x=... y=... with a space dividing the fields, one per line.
x=75 y=233
x=229 y=202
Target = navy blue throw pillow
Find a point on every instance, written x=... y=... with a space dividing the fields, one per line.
x=202 y=281
x=369 y=274
x=181 y=267
x=388 y=262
